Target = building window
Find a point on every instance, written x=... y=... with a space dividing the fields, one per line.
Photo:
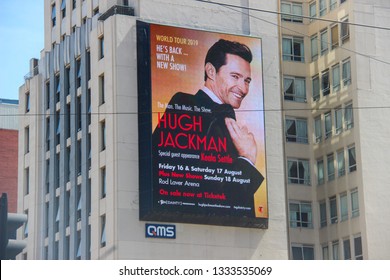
x=101 y=90
x=26 y=139
x=47 y=179
x=27 y=181
x=79 y=202
x=340 y=163
x=293 y=49
x=67 y=165
x=334 y=34
x=296 y=130
x=322 y=6
x=325 y=252
x=314 y=47
x=69 y=161
x=336 y=78
x=300 y=215
x=78 y=158
x=342 y=1
x=25 y=232
x=320 y=171
x=89 y=198
x=67 y=120
x=47 y=134
x=330 y=167
x=58 y=88
x=103 y=238
x=347 y=249
x=338 y=119
x=27 y=102
x=294 y=89
x=292 y=12
x=47 y=94
x=343 y=207
x=67 y=81
x=78 y=72
x=89 y=106
x=303 y=252
x=351 y=159
x=323 y=221
x=58 y=128
x=344 y=30
x=53 y=15
x=358 y=248
x=47 y=219
x=78 y=113
x=125 y=2
x=325 y=84
x=103 y=182
x=78 y=254
x=101 y=47
x=316 y=87
x=63 y=8
x=348 y=116
x=89 y=147
x=298 y=171
x=354 y=203
x=346 y=72
x=67 y=216
x=324 y=41
x=57 y=213
x=333 y=210
x=335 y=250
x=88 y=65
x=317 y=129
x=332 y=4
x=313 y=10
x=328 y=125
x=103 y=135
x=74 y=4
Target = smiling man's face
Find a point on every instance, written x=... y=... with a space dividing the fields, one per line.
x=232 y=80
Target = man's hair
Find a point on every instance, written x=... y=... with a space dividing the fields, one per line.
x=216 y=55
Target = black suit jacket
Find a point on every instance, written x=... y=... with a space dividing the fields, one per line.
x=236 y=194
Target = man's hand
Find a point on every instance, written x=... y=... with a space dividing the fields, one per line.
x=243 y=140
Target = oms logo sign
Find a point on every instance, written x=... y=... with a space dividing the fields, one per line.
x=160 y=231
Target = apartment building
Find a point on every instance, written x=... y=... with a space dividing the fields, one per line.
x=335 y=108
x=83 y=150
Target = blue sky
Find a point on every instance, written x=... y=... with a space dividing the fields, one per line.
x=21 y=38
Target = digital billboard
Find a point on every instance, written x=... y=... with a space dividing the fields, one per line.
x=201 y=127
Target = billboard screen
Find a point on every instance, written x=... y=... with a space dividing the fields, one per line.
x=201 y=127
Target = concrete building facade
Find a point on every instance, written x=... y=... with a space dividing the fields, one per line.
x=335 y=128
x=83 y=200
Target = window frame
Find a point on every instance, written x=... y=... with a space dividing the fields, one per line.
x=352 y=167
x=320 y=167
x=354 y=203
x=298 y=180
x=324 y=44
x=330 y=167
x=325 y=83
x=292 y=17
x=297 y=138
x=318 y=129
x=303 y=217
x=295 y=95
x=292 y=42
x=333 y=210
x=316 y=92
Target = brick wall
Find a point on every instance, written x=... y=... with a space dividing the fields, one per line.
x=9 y=166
